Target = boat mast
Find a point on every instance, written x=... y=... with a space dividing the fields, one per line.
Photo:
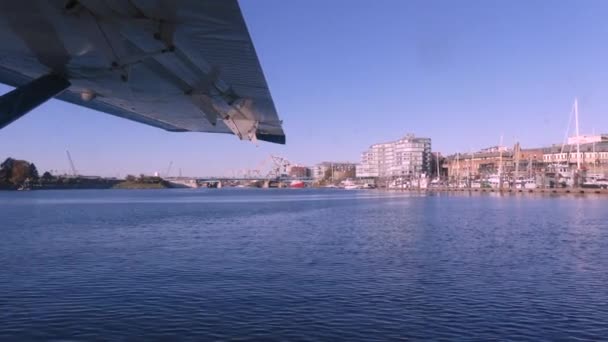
x=500 y=164
x=516 y=157
x=458 y=170
x=437 y=162
x=594 y=156
x=578 y=145
x=470 y=167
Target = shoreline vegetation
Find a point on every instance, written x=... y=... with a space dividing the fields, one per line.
x=142 y=182
x=16 y=174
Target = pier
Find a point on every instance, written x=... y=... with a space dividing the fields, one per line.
x=519 y=191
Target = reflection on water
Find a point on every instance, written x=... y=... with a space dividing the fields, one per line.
x=294 y=264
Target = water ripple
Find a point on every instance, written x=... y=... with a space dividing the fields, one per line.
x=301 y=265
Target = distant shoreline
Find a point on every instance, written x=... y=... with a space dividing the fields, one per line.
x=126 y=185
x=136 y=185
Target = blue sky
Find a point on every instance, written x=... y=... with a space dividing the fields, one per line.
x=345 y=74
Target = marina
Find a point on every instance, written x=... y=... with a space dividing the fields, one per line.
x=517 y=191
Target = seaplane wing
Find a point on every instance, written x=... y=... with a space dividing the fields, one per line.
x=180 y=65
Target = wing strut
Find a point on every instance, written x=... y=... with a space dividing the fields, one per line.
x=20 y=101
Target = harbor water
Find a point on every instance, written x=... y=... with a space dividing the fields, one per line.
x=281 y=264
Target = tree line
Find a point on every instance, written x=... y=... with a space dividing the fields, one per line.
x=22 y=174
x=16 y=173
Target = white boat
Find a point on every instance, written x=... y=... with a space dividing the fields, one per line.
x=596 y=182
x=494 y=181
x=350 y=185
x=424 y=183
x=399 y=183
x=528 y=183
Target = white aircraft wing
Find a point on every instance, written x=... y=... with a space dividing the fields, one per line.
x=180 y=65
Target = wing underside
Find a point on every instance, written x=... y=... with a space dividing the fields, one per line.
x=178 y=65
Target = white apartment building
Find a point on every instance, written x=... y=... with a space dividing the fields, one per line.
x=409 y=155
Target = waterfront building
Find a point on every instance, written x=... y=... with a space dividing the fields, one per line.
x=318 y=171
x=590 y=154
x=530 y=154
x=494 y=149
x=333 y=170
x=408 y=156
x=480 y=163
x=588 y=139
x=488 y=161
x=557 y=161
x=298 y=171
x=376 y=161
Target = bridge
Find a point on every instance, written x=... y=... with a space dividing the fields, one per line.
x=260 y=176
x=218 y=182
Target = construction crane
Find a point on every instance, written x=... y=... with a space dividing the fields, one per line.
x=74 y=173
x=271 y=167
x=279 y=167
x=258 y=170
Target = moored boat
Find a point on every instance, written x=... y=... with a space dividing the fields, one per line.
x=297 y=184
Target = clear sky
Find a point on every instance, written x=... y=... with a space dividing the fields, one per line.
x=345 y=74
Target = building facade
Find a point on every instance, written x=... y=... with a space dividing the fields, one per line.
x=588 y=139
x=479 y=164
x=298 y=171
x=333 y=170
x=408 y=156
x=590 y=154
x=519 y=162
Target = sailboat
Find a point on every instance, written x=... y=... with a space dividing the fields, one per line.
x=565 y=174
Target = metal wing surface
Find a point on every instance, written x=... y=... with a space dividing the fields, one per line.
x=182 y=65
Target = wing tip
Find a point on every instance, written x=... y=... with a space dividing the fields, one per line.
x=273 y=138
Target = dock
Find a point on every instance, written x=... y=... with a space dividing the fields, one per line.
x=520 y=191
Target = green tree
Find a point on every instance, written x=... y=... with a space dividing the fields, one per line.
x=34 y=172
x=7 y=163
x=47 y=177
x=328 y=174
x=6 y=169
x=19 y=172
